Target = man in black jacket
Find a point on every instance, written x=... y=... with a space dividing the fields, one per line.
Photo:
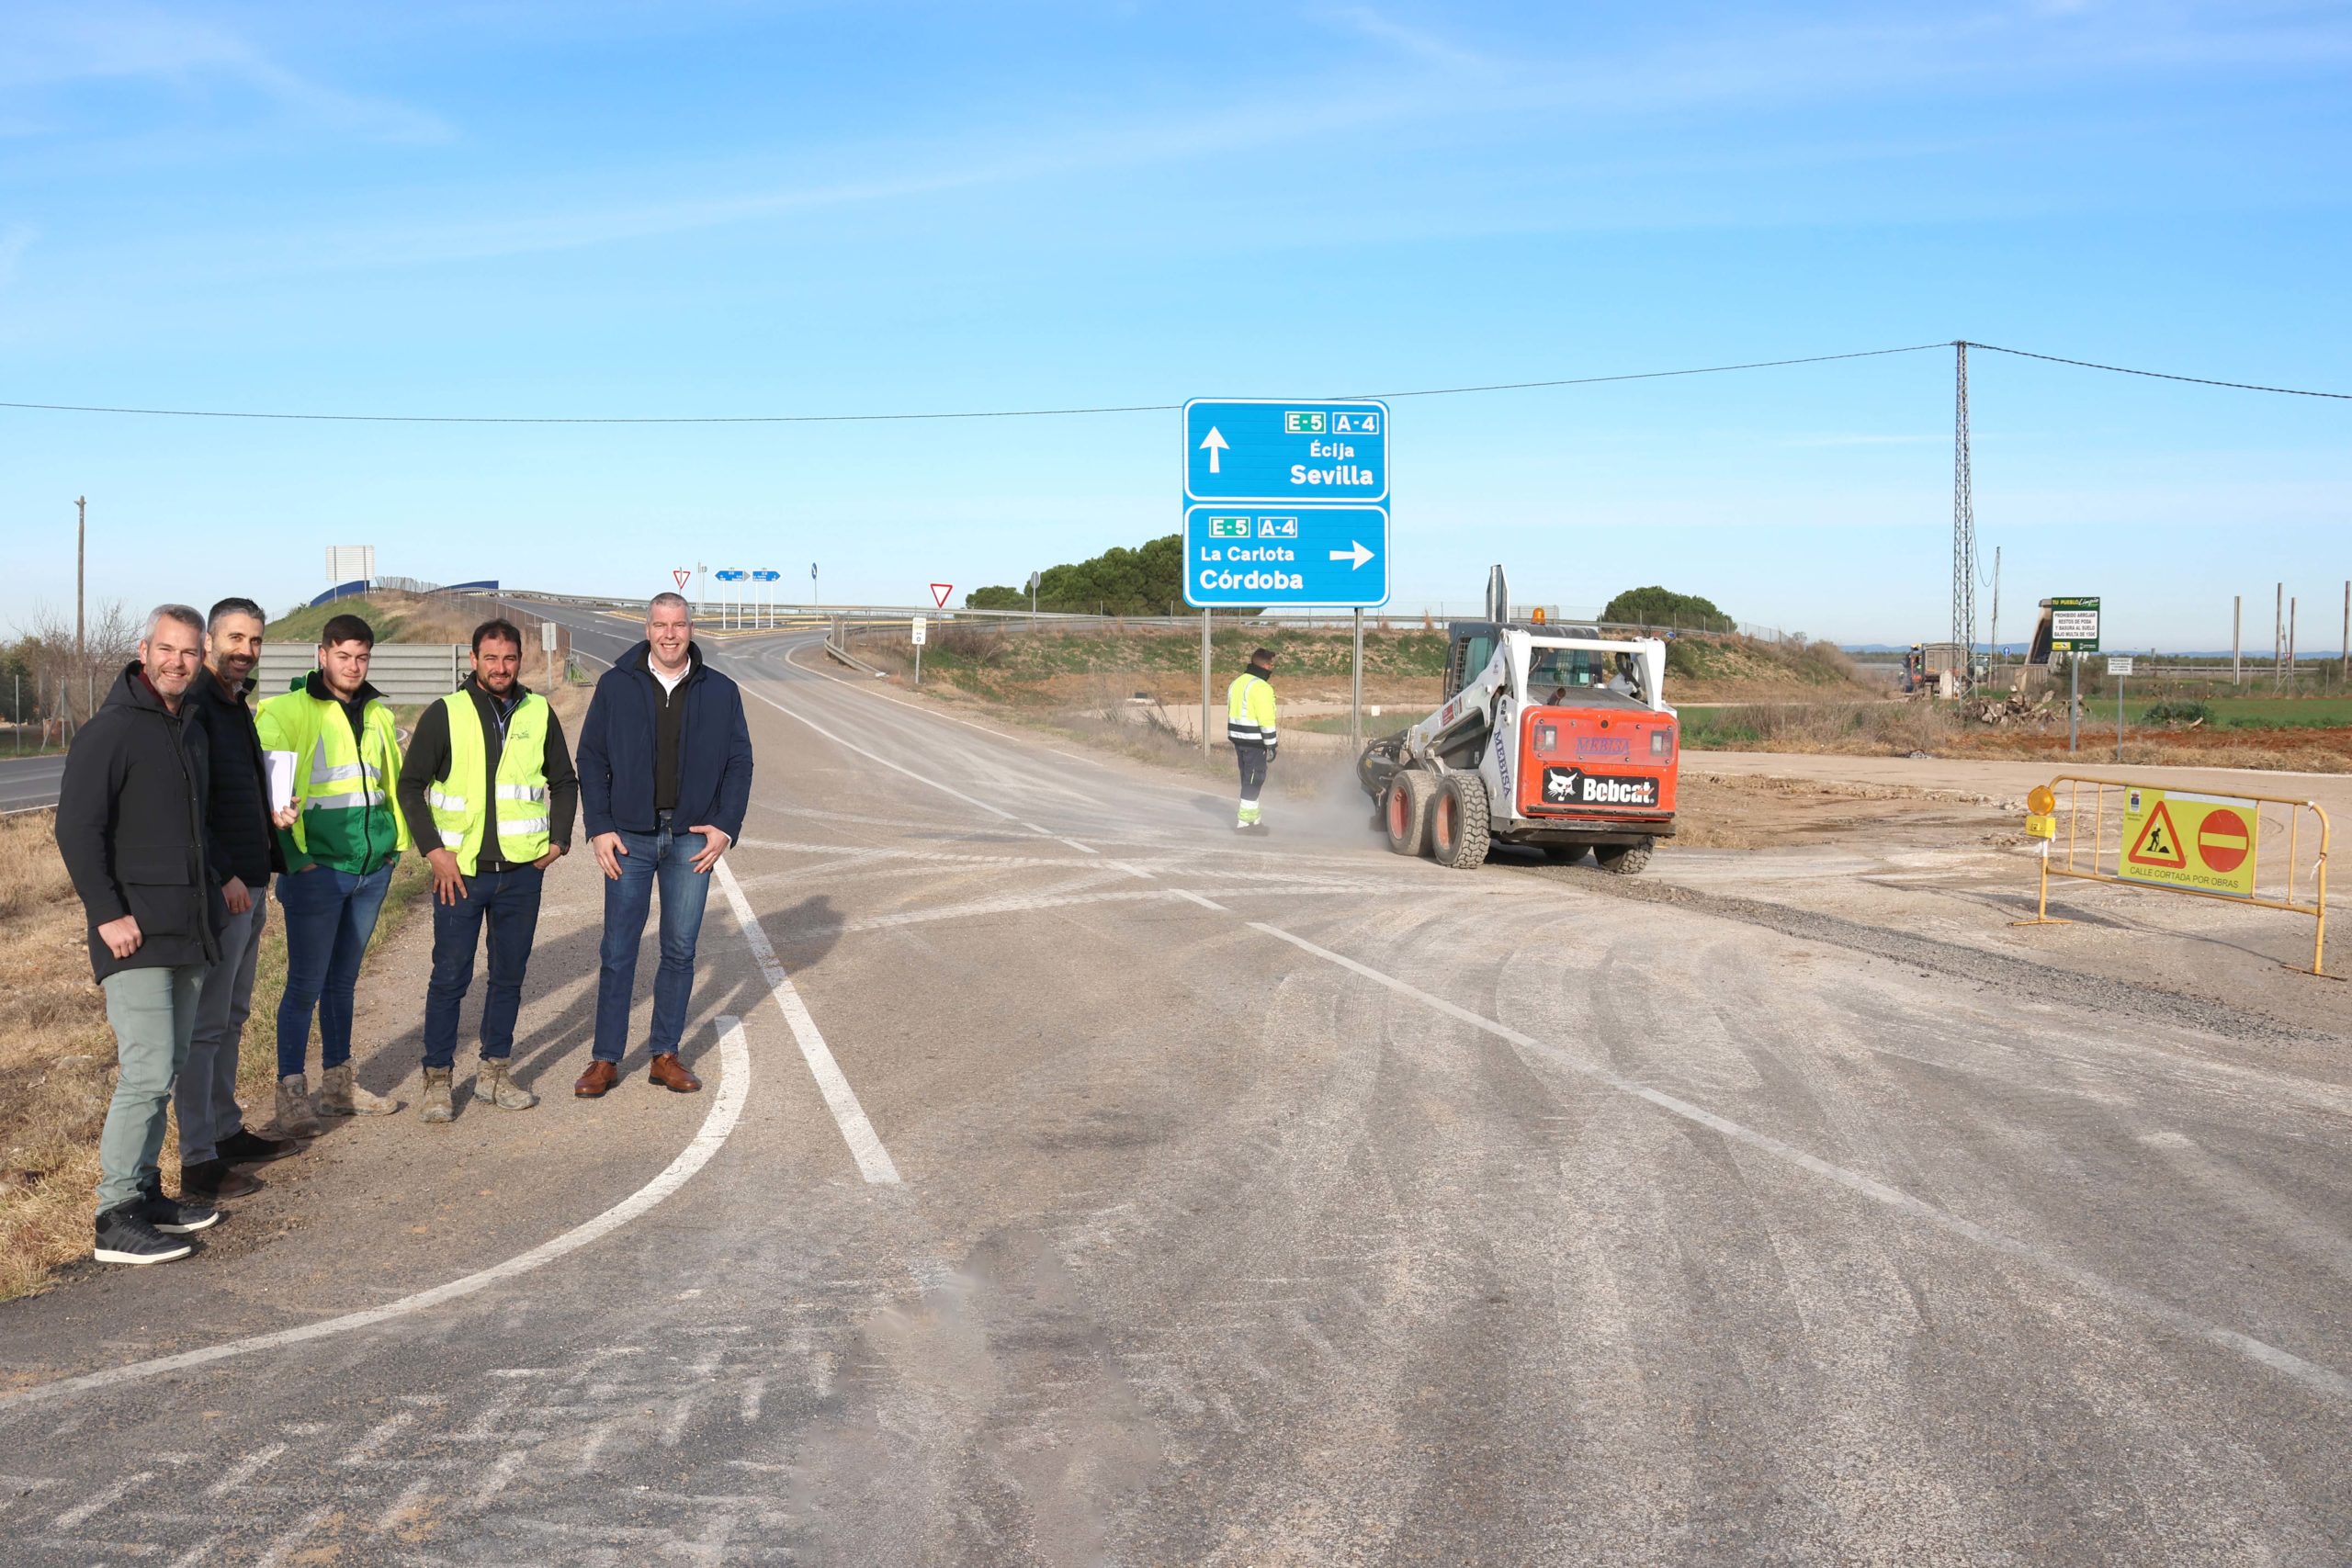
x=242 y=852
x=666 y=778
x=488 y=795
x=130 y=829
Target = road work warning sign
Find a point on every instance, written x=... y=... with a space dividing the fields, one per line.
x=2202 y=842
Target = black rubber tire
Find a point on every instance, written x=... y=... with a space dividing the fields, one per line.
x=1405 y=810
x=1458 y=825
x=1622 y=859
x=1564 y=855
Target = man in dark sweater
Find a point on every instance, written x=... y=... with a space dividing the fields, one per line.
x=666 y=778
x=130 y=831
x=240 y=848
x=489 y=793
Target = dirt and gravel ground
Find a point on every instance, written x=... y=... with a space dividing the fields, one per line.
x=1282 y=1201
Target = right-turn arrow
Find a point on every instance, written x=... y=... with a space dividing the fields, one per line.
x=1358 y=555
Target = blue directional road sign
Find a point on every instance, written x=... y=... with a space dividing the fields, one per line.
x=1299 y=452
x=729 y=576
x=765 y=576
x=1286 y=503
x=1320 y=556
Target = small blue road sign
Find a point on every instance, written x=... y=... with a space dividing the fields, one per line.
x=765 y=576
x=1266 y=557
x=731 y=575
x=1301 y=451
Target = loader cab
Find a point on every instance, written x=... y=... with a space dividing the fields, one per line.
x=1470 y=644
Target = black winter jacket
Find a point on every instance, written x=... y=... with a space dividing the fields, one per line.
x=240 y=841
x=130 y=829
x=619 y=740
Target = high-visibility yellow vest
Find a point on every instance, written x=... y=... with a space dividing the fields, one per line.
x=344 y=784
x=459 y=802
x=1250 y=712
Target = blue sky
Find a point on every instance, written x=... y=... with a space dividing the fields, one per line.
x=736 y=207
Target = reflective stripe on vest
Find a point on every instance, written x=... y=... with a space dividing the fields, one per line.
x=460 y=802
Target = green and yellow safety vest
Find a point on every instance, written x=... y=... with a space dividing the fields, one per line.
x=1250 y=712
x=460 y=801
x=344 y=784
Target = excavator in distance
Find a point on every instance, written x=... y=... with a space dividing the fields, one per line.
x=1549 y=736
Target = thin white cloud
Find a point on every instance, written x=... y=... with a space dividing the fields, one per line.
x=1416 y=43
x=16 y=239
x=53 y=48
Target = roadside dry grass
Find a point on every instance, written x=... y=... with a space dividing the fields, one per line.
x=57 y=1053
x=1937 y=729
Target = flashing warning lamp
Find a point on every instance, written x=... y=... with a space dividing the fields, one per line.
x=1536 y=614
x=2042 y=805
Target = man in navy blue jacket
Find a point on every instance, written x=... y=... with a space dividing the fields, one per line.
x=665 y=777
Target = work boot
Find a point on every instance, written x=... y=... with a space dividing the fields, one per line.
x=338 y=1096
x=493 y=1087
x=295 y=1117
x=437 y=1097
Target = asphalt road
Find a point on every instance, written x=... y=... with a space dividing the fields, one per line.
x=1102 y=1188
x=29 y=782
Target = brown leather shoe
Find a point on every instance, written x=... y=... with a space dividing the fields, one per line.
x=600 y=1077
x=671 y=1074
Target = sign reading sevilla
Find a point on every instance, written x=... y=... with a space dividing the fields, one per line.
x=2201 y=842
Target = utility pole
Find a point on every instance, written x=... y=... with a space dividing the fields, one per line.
x=2291 y=646
x=1992 y=637
x=2344 y=659
x=2238 y=644
x=2278 y=638
x=81 y=554
x=1963 y=519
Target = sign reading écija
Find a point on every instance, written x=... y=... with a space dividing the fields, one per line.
x=1286 y=503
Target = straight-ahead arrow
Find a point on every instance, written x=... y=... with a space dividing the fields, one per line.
x=1358 y=555
x=1214 y=444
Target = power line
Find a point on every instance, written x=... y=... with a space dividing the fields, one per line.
x=1113 y=408
x=880 y=418
x=2160 y=375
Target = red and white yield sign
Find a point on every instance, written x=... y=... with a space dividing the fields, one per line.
x=681 y=574
x=939 y=593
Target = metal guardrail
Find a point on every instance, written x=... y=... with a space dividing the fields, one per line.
x=2095 y=841
x=402 y=671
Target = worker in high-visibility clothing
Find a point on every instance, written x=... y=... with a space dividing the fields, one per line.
x=1249 y=725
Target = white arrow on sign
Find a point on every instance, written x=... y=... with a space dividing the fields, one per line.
x=1213 y=444
x=1358 y=555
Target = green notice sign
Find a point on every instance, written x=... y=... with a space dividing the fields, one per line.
x=2074 y=625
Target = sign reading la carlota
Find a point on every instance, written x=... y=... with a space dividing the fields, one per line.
x=1286 y=503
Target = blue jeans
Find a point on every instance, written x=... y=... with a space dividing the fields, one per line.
x=330 y=915
x=508 y=902
x=669 y=858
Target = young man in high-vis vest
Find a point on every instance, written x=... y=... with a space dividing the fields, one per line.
x=339 y=856
x=489 y=790
x=1250 y=726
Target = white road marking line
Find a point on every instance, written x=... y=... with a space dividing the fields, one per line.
x=294 y=1537
x=494 y=1480
x=200 y=1552
x=75 y=1517
x=2325 y=1380
x=865 y=1145
x=726 y=1108
x=377 y=1434
x=402 y=1506
x=1131 y=870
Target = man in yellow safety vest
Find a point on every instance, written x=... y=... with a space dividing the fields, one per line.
x=1250 y=726
x=339 y=856
x=489 y=791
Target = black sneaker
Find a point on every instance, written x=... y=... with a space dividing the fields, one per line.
x=245 y=1146
x=214 y=1180
x=173 y=1217
x=124 y=1237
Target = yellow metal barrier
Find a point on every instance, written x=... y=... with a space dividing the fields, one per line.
x=2192 y=841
